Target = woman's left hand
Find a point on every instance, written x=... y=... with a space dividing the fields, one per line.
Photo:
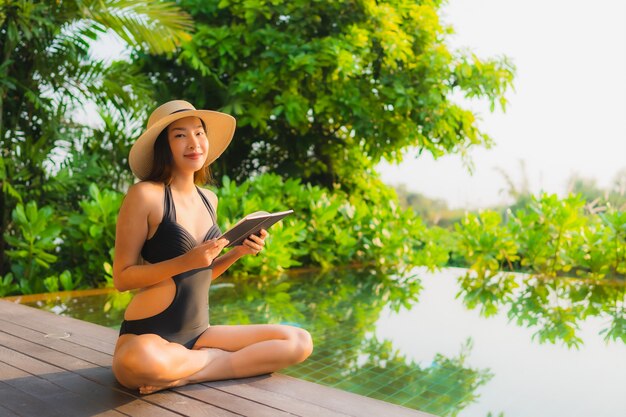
x=253 y=244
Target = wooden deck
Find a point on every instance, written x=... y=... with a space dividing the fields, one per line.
x=59 y=366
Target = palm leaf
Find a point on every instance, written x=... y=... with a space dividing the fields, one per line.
x=156 y=25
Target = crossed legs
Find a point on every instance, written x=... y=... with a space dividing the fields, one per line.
x=150 y=363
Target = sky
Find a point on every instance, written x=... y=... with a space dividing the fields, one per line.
x=567 y=114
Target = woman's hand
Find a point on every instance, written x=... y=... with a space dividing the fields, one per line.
x=253 y=244
x=203 y=255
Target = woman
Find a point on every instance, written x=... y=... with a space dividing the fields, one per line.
x=167 y=246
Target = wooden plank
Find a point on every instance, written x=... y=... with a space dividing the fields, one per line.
x=55 y=360
x=20 y=313
x=277 y=400
x=19 y=379
x=24 y=404
x=54 y=396
x=91 y=335
x=61 y=345
x=101 y=398
x=103 y=376
x=187 y=406
x=176 y=402
x=232 y=403
x=167 y=399
x=5 y=412
x=327 y=397
x=114 y=399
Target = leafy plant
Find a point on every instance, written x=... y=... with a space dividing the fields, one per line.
x=8 y=286
x=64 y=281
x=48 y=74
x=90 y=237
x=573 y=255
x=329 y=228
x=32 y=241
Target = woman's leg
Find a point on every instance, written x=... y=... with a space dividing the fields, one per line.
x=253 y=349
x=151 y=360
x=236 y=337
x=150 y=363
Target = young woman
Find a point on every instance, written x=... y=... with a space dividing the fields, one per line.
x=167 y=246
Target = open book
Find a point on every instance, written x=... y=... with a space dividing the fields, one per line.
x=252 y=224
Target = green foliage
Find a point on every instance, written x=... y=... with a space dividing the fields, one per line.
x=90 y=237
x=549 y=237
x=33 y=241
x=329 y=229
x=314 y=84
x=156 y=26
x=50 y=251
x=612 y=240
x=8 y=286
x=486 y=248
x=64 y=282
x=549 y=231
x=552 y=240
x=48 y=74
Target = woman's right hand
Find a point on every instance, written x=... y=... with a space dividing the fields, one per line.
x=203 y=255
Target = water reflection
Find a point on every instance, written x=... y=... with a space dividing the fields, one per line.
x=553 y=307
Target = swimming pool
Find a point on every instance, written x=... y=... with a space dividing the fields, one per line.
x=412 y=340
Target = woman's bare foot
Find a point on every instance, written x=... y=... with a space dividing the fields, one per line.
x=151 y=389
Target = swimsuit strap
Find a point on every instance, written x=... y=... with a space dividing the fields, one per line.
x=208 y=205
x=169 y=210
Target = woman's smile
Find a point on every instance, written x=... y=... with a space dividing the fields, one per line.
x=193 y=156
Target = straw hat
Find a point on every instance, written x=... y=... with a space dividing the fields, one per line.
x=220 y=130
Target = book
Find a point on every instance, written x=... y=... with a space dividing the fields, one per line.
x=252 y=224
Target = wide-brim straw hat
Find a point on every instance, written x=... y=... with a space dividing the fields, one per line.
x=220 y=129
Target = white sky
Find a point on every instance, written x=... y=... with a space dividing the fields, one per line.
x=568 y=112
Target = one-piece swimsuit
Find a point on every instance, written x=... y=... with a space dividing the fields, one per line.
x=187 y=317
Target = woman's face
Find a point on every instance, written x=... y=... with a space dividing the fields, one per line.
x=188 y=143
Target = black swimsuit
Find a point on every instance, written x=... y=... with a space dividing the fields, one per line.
x=187 y=317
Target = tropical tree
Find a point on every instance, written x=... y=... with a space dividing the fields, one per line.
x=324 y=90
x=47 y=73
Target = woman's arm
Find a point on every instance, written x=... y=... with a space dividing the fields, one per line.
x=251 y=246
x=140 y=276
x=223 y=262
x=130 y=234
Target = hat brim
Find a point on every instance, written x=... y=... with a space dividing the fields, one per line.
x=220 y=130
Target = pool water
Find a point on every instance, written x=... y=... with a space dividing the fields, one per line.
x=431 y=341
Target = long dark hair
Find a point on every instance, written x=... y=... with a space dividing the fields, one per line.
x=163 y=161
